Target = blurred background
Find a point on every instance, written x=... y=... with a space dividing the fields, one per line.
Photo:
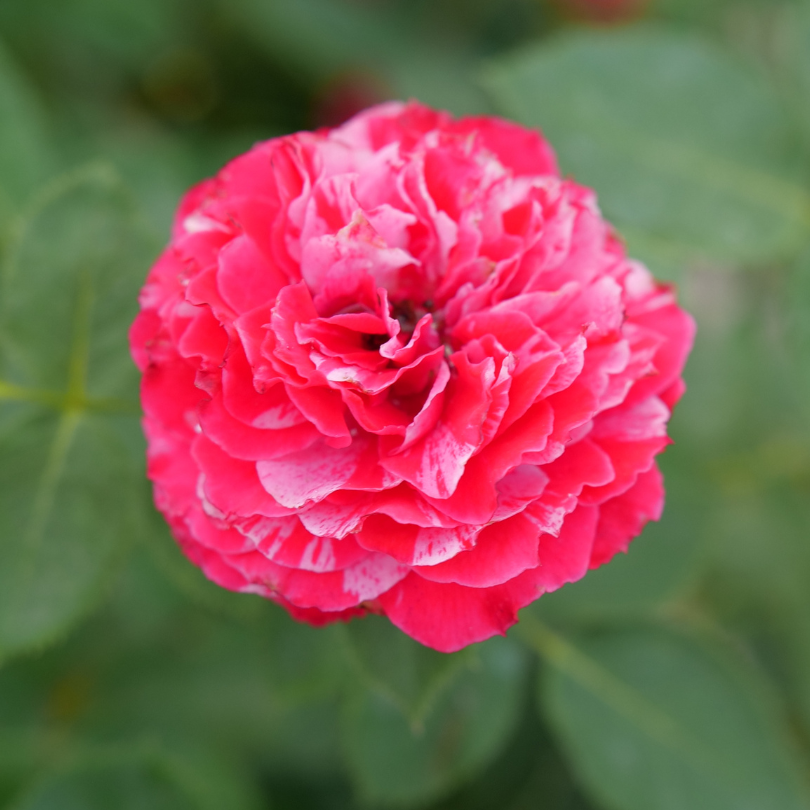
x=676 y=678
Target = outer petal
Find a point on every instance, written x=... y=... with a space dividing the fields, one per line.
x=448 y=617
x=231 y=485
x=678 y=327
x=286 y=542
x=249 y=443
x=336 y=590
x=501 y=552
x=169 y=396
x=622 y=518
x=415 y=545
x=522 y=150
x=566 y=558
x=311 y=474
x=246 y=279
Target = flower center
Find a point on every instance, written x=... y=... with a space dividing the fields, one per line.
x=409 y=314
x=372 y=343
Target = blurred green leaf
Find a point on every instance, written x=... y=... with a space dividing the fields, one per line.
x=528 y=773
x=793 y=60
x=397 y=762
x=262 y=684
x=71 y=283
x=256 y=693
x=653 y=719
x=128 y=787
x=242 y=636
x=26 y=158
x=406 y=673
x=758 y=575
x=746 y=432
x=317 y=36
x=70 y=443
x=795 y=304
x=323 y=38
x=160 y=166
x=140 y=778
x=706 y=13
x=123 y=33
x=210 y=780
x=688 y=149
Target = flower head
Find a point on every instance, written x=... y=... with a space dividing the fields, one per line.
x=402 y=366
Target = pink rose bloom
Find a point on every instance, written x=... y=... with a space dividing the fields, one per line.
x=403 y=367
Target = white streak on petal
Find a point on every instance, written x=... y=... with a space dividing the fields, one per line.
x=309 y=475
x=434 y=546
x=207 y=506
x=318 y=556
x=373 y=576
x=199 y=223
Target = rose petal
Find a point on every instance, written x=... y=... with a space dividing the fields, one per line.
x=448 y=617
x=565 y=558
x=622 y=518
x=312 y=474
x=501 y=552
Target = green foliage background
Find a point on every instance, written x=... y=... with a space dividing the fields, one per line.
x=676 y=678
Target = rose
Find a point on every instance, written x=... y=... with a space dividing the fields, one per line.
x=403 y=367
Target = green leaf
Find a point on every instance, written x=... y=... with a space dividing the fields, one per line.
x=153 y=666
x=406 y=673
x=71 y=282
x=529 y=772
x=140 y=778
x=747 y=419
x=315 y=36
x=25 y=152
x=705 y=13
x=319 y=39
x=793 y=59
x=119 y=35
x=655 y=720
x=70 y=444
x=397 y=762
x=300 y=663
x=437 y=75
x=689 y=151
x=125 y=787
